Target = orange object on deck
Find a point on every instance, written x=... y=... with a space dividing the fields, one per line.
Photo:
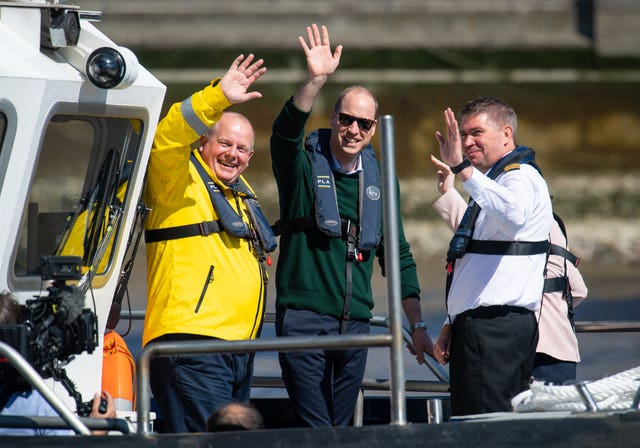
x=118 y=371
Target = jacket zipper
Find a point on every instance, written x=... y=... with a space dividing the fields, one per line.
x=204 y=289
x=258 y=321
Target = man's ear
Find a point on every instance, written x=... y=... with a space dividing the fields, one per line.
x=333 y=116
x=508 y=133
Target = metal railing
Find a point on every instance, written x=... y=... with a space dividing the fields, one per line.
x=248 y=346
x=30 y=374
x=581 y=326
x=68 y=419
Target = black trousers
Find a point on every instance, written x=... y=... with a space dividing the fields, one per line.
x=492 y=357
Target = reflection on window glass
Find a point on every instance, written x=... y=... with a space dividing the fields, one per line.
x=76 y=197
x=3 y=129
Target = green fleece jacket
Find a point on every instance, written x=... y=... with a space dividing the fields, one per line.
x=311 y=266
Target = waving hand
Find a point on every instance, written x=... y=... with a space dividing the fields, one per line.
x=240 y=76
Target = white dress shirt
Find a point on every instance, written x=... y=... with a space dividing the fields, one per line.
x=515 y=207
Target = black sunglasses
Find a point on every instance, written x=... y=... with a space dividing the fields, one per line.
x=363 y=123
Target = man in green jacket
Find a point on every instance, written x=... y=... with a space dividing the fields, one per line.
x=330 y=223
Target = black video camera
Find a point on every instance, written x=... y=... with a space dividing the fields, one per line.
x=54 y=328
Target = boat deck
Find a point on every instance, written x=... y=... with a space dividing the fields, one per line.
x=616 y=429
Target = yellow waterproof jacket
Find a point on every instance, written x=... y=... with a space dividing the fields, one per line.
x=203 y=285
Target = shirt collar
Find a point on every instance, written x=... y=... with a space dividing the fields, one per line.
x=337 y=167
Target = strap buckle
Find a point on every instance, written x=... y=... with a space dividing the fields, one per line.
x=206 y=228
x=352 y=250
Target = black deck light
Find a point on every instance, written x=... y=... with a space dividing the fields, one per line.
x=110 y=68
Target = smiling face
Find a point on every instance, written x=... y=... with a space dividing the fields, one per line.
x=228 y=147
x=347 y=140
x=484 y=140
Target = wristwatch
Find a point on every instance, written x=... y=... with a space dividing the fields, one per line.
x=417 y=325
x=456 y=169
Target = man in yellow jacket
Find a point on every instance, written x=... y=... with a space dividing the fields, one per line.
x=206 y=240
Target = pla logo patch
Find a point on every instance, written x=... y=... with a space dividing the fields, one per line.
x=373 y=193
x=323 y=181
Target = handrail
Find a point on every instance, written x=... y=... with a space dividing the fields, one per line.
x=30 y=374
x=581 y=326
x=245 y=346
x=430 y=362
x=607 y=326
x=271 y=382
x=392 y=268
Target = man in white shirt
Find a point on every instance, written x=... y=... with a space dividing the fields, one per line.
x=496 y=259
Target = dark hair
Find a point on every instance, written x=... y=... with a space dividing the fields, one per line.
x=10 y=312
x=499 y=111
x=235 y=417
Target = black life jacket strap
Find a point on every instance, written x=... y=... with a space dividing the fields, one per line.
x=352 y=257
x=558 y=284
x=490 y=247
x=562 y=252
x=173 y=233
x=554 y=284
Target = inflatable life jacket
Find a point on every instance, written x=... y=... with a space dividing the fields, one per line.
x=229 y=221
x=327 y=216
x=118 y=372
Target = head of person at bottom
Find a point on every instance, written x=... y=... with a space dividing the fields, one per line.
x=353 y=123
x=235 y=416
x=227 y=146
x=10 y=311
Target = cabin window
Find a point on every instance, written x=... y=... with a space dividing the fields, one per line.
x=76 y=198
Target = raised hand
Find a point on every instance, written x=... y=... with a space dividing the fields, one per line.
x=451 y=143
x=446 y=178
x=240 y=76
x=320 y=61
